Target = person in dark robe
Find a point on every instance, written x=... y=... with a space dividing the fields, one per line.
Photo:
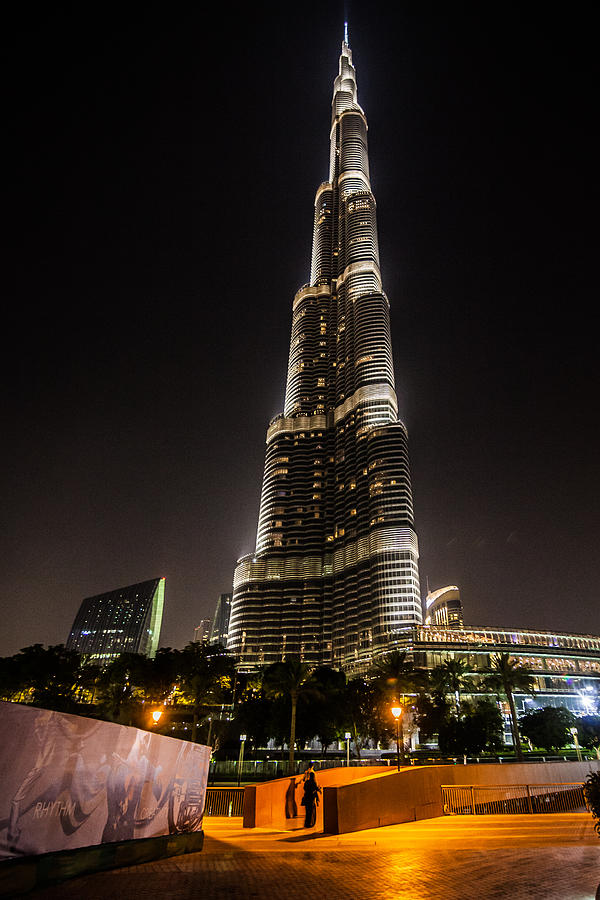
x=310 y=800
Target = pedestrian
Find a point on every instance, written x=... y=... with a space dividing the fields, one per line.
x=307 y=773
x=310 y=799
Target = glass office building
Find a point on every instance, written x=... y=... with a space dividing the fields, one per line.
x=126 y=620
x=220 y=622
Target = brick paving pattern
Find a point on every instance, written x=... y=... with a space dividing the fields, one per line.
x=517 y=857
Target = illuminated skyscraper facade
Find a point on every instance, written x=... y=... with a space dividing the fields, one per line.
x=443 y=608
x=202 y=631
x=334 y=577
x=220 y=622
x=126 y=620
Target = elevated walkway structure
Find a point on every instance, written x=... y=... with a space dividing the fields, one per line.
x=357 y=799
x=277 y=803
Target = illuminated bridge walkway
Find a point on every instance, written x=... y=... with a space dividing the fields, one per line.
x=455 y=858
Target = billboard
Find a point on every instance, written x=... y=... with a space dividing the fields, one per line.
x=68 y=781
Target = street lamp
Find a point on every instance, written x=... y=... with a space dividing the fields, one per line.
x=397 y=714
x=576 y=740
x=241 y=759
x=347 y=737
x=156 y=716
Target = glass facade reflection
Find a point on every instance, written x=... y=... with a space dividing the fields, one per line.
x=126 y=620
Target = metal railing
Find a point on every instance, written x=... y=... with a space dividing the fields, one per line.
x=266 y=769
x=512 y=799
x=224 y=802
x=263 y=768
x=354 y=763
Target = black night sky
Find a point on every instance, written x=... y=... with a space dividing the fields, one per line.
x=161 y=175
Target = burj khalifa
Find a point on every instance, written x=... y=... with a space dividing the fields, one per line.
x=334 y=578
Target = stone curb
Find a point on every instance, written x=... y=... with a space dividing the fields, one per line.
x=19 y=876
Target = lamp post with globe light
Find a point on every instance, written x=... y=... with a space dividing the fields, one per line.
x=397 y=714
x=241 y=759
x=347 y=736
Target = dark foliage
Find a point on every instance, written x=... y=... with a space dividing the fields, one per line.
x=548 y=728
x=46 y=677
x=592 y=795
x=588 y=731
x=477 y=729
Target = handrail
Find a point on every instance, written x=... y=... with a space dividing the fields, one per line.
x=227 y=801
x=512 y=799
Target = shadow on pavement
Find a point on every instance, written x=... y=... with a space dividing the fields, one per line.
x=299 y=838
x=169 y=876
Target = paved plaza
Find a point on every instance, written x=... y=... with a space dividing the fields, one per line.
x=451 y=858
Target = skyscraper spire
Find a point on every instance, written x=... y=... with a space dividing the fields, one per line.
x=334 y=577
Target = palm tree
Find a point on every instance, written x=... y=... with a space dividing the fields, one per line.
x=161 y=675
x=326 y=709
x=505 y=677
x=121 y=687
x=289 y=678
x=451 y=678
x=394 y=677
x=360 y=712
x=206 y=678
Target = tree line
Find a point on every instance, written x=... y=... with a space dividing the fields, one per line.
x=293 y=703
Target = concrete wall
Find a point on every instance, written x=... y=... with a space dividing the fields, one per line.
x=20 y=876
x=386 y=800
x=415 y=793
x=276 y=804
x=519 y=773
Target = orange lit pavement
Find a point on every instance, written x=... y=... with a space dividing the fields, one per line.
x=454 y=858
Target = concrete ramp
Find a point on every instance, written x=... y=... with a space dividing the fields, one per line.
x=415 y=792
